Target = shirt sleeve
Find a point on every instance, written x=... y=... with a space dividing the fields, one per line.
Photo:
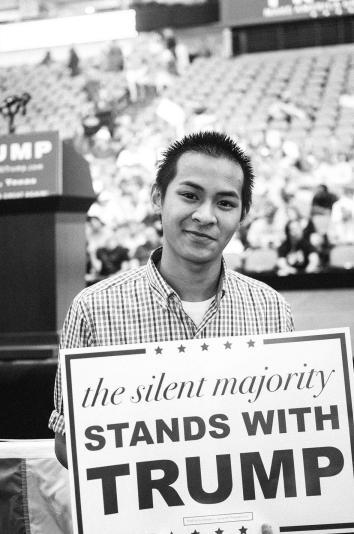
x=76 y=333
x=289 y=319
x=285 y=322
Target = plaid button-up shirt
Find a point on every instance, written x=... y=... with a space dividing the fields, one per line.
x=138 y=306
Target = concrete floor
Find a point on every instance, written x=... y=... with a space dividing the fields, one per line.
x=320 y=308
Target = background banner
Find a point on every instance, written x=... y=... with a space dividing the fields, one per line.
x=211 y=436
x=245 y=12
x=30 y=165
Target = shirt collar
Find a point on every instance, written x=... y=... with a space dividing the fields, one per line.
x=156 y=281
x=159 y=284
x=223 y=282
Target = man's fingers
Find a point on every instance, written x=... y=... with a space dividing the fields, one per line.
x=266 y=529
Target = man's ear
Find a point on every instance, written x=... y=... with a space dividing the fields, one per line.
x=156 y=198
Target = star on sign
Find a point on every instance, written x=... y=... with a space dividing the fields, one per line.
x=243 y=530
x=227 y=345
x=195 y=532
x=181 y=348
x=205 y=346
x=158 y=350
x=219 y=531
x=250 y=343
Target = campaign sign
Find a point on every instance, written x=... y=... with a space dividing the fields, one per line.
x=30 y=165
x=207 y=436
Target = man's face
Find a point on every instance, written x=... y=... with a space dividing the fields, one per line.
x=201 y=209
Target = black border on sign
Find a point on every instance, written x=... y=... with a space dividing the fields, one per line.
x=268 y=341
x=69 y=358
x=317 y=337
x=327 y=526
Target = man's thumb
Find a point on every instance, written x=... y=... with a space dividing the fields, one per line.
x=266 y=529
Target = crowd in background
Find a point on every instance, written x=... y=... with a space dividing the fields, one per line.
x=303 y=198
x=303 y=207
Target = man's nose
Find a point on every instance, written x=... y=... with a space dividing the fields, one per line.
x=205 y=214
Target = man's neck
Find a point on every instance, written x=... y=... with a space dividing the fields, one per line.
x=190 y=281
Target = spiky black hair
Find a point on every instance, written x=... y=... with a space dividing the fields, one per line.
x=210 y=143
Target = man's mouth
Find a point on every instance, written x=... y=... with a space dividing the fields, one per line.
x=201 y=235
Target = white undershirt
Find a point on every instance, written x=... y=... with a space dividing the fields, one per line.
x=196 y=310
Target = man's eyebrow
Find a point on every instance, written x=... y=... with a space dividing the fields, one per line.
x=226 y=193
x=230 y=193
x=192 y=184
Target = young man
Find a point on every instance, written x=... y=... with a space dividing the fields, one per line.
x=203 y=191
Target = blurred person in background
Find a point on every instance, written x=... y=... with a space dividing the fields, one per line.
x=341 y=230
x=322 y=200
x=97 y=235
x=112 y=255
x=114 y=57
x=264 y=231
x=47 y=59
x=296 y=253
x=74 y=62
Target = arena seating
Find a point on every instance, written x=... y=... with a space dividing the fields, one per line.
x=343 y=256
x=292 y=110
x=243 y=92
x=260 y=260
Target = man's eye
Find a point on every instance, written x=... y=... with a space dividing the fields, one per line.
x=189 y=196
x=226 y=204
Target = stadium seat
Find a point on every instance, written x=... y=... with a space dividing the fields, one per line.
x=342 y=256
x=260 y=260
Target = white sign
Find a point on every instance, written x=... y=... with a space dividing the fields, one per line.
x=212 y=436
x=67 y=31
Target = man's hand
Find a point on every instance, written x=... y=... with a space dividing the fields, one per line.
x=60 y=449
x=266 y=529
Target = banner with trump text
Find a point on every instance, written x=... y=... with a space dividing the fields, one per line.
x=207 y=436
